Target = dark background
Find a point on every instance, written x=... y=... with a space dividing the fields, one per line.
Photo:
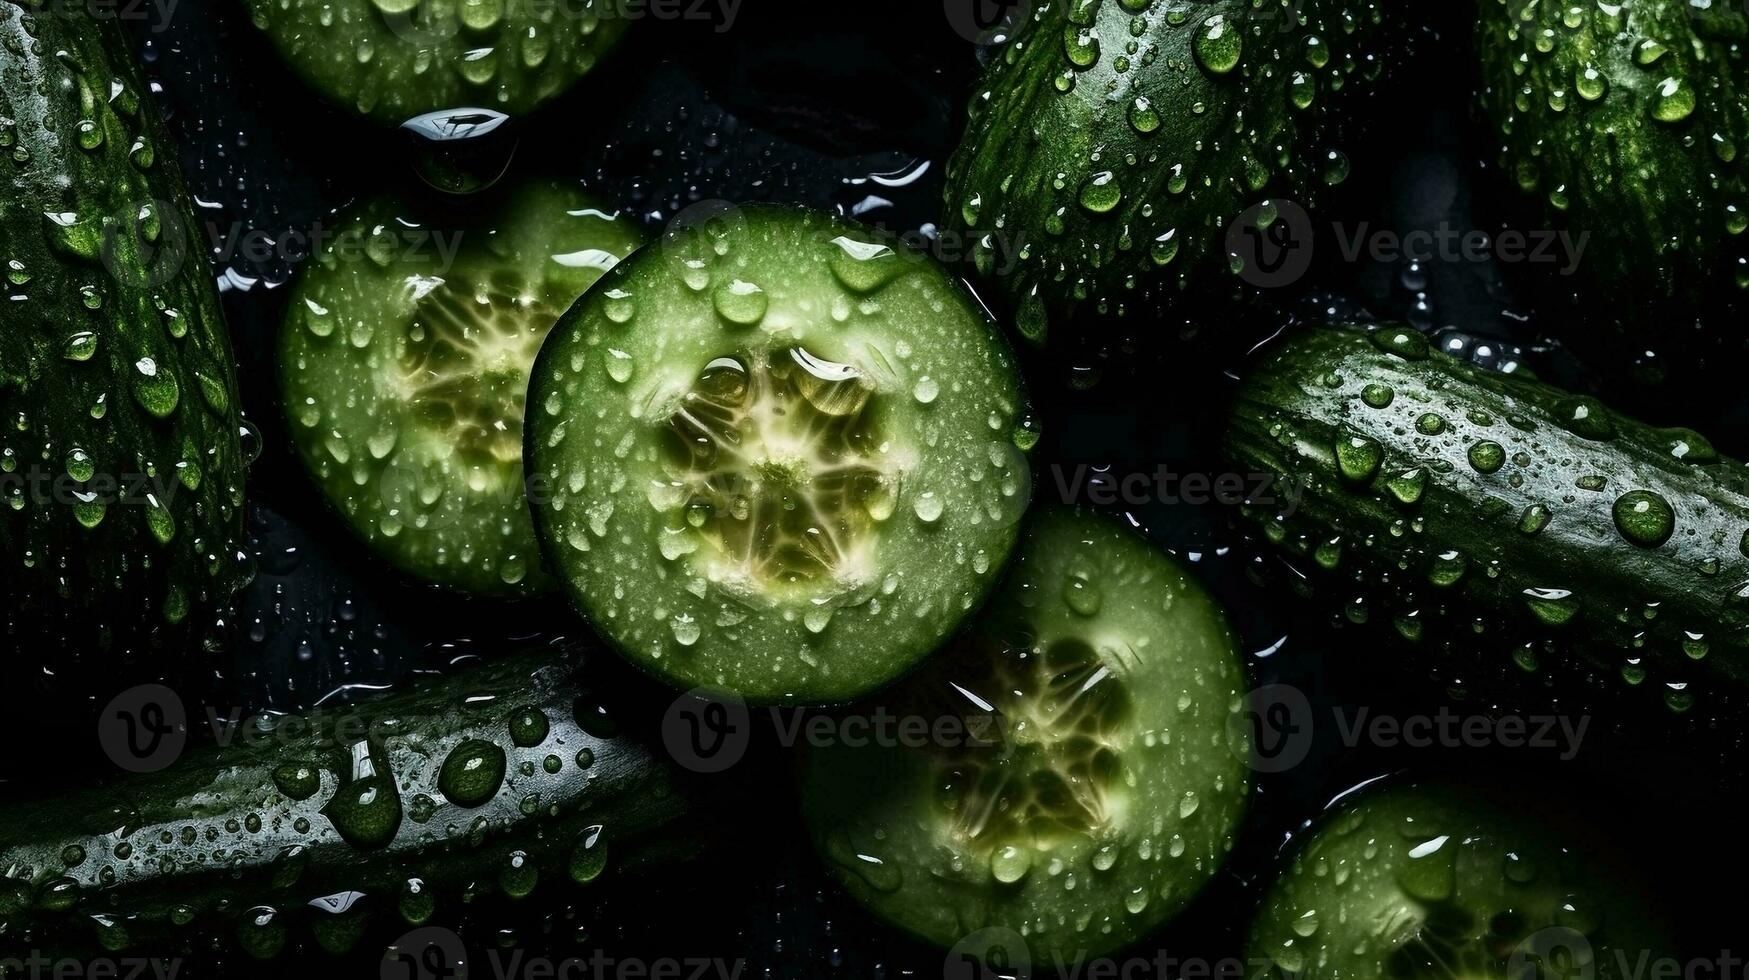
x=833 y=105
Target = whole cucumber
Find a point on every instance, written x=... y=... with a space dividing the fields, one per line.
x=497 y=779
x=121 y=466
x=1482 y=511
x=1112 y=144
x=1627 y=123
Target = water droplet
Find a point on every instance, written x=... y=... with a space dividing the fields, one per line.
x=1644 y=518
x=928 y=507
x=1358 y=458
x=740 y=303
x=1218 y=45
x=472 y=773
x=1101 y=193
x=1487 y=457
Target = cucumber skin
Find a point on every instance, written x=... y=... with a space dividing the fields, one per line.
x=226 y=875
x=1307 y=393
x=1662 y=266
x=1028 y=149
x=320 y=43
x=97 y=598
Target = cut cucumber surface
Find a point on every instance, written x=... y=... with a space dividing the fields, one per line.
x=1426 y=880
x=1085 y=789
x=404 y=363
x=397 y=60
x=778 y=455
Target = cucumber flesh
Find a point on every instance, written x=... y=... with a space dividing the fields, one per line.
x=404 y=362
x=1088 y=787
x=777 y=454
x=1427 y=879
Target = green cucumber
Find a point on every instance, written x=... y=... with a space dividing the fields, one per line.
x=1086 y=788
x=397 y=60
x=1429 y=879
x=498 y=779
x=1478 y=509
x=121 y=469
x=404 y=361
x=1629 y=122
x=1113 y=142
x=777 y=454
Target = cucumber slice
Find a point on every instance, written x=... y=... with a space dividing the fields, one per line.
x=1433 y=880
x=404 y=363
x=1094 y=790
x=396 y=60
x=778 y=455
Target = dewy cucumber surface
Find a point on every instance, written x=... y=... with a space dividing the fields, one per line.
x=404 y=363
x=1478 y=510
x=1113 y=142
x=777 y=454
x=121 y=472
x=1428 y=879
x=1625 y=123
x=397 y=60
x=1089 y=788
x=500 y=780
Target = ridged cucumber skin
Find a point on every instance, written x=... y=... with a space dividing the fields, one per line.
x=116 y=376
x=394 y=63
x=221 y=854
x=1630 y=122
x=1492 y=523
x=1189 y=149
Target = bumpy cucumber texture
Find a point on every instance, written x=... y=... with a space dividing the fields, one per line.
x=121 y=471
x=1113 y=143
x=396 y=60
x=1624 y=123
x=776 y=454
x=404 y=363
x=1425 y=880
x=1079 y=786
x=499 y=780
x=1480 y=511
